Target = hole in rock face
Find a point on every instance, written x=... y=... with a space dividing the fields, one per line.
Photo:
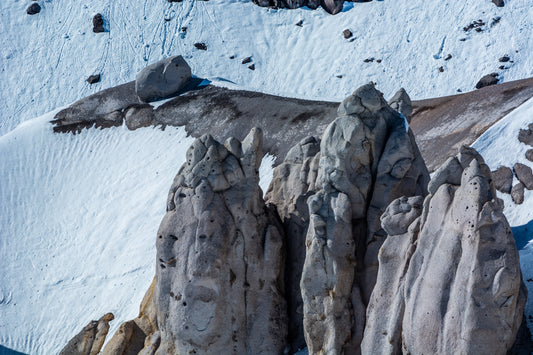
x=173 y=237
x=202 y=236
x=184 y=304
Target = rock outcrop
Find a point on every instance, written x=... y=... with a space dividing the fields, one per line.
x=449 y=278
x=219 y=277
x=91 y=339
x=401 y=102
x=140 y=335
x=367 y=159
x=162 y=79
x=293 y=182
x=503 y=179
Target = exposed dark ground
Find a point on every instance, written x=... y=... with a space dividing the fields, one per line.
x=441 y=125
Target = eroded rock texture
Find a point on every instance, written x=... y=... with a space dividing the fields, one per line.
x=449 y=277
x=367 y=159
x=219 y=278
x=293 y=182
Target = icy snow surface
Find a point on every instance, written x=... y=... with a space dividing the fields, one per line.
x=46 y=58
x=500 y=146
x=79 y=216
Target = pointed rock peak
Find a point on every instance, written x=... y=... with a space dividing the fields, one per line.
x=451 y=172
x=401 y=102
x=366 y=99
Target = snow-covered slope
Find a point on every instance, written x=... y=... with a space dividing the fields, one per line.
x=78 y=216
x=45 y=58
x=500 y=147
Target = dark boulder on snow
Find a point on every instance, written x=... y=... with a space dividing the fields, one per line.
x=93 y=79
x=526 y=135
x=524 y=175
x=503 y=179
x=347 y=33
x=33 y=9
x=517 y=193
x=499 y=3
x=332 y=6
x=487 y=80
x=98 y=23
x=162 y=79
x=529 y=154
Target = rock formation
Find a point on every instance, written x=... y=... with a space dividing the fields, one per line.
x=140 y=335
x=219 y=276
x=91 y=339
x=503 y=179
x=401 y=102
x=162 y=79
x=449 y=278
x=293 y=182
x=367 y=159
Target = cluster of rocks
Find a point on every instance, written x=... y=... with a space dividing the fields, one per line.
x=503 y=176
x=352 y=249
x=331 y=6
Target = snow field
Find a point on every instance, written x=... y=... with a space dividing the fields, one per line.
x=46 y=58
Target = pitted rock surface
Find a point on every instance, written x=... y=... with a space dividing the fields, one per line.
x=453 y=272
x=367 y=159
x=219 y=276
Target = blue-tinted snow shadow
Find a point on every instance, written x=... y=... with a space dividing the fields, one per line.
x=523 y=234
x=7 y=351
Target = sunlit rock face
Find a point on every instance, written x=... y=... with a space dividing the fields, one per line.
x=219 y=278
x=368 y=157
x=449 y=279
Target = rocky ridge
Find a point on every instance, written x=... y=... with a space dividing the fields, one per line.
x=232 y=269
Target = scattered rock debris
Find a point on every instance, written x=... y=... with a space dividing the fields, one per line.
x=246 y=60
x=477 y=25
x=300 y=23
x=487 y=80
x=448 y=57
x=347 y=33
x=251 y=67
x=441 y=69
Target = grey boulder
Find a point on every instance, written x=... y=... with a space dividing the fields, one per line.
x=162 y=79
x=524 y=175
x=517 y=193
x=503 y=179
x=449 y=279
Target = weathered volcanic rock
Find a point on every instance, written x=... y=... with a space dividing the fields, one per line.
x=503 y=179
x=524 y=175
x=449 y=277
x=292 y=183
x=401 y=102
x=91 y=339
x=162 y=79
x=219 y=277
x=367 y=159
